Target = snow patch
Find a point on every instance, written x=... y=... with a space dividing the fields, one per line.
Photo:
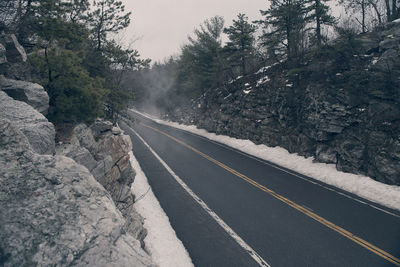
x=262 y=81
x=227 y=96
x=246 y=91
x=264 y=69
x=363 y=186
x=161 y=241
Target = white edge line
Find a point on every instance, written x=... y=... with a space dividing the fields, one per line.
x=319 y=183
x=229 y=230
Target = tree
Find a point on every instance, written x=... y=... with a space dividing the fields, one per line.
x=108 y=17
x=355 y=6
x=392 y=10
x=119 y=61
x=320 y=15
x=201 y=64
x=241 y=40
x=76 y=10
x=284 y=28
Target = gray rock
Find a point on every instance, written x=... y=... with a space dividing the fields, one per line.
x=325 y=154
x=39 y=131
x=3 y=58
x=80 y=154
x=30 y=93
x=101 y=126
x=387 y=60
x=116 y=131
x=370 y=42
x=54 y=213
x=14 y=51
x=83 y=136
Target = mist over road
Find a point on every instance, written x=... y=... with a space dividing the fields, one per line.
x=285 y=219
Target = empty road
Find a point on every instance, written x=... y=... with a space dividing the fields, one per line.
x=232 y=209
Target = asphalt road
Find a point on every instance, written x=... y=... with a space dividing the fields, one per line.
x=286 y=218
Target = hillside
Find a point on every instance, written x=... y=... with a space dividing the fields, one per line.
x=340 y=107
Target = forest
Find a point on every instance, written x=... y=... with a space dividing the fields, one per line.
x=73 y=53
x=87 y=72
x=291 y=33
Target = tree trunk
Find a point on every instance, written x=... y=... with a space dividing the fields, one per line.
x=378 y=14
x=363 y=16
x=388 y=13
x=395 y=11
x=318 y=18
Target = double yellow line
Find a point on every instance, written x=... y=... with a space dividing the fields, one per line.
x=298 y=207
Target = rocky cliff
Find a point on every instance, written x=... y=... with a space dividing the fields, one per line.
x=68 y=204
x=341 y=107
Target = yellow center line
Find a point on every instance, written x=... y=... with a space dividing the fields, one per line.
x=298 y=207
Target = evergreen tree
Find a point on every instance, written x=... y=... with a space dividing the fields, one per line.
x=320 y=15
x=284 y=28
x=241 y=40
x=108 y=17
x=201 y=64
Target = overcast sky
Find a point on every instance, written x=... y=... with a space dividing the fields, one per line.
x=161 y=27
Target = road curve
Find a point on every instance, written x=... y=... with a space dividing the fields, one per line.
x=284 y=218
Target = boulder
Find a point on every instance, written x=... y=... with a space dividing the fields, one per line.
x=39 y=131
x=116 y=131
x=53 y=212
x=325 y=154
x=30 y=93
x=83 y=136
x=14 y=51
x=106 y=157
x=80 y=154
x=116 y=146
x=101 y=126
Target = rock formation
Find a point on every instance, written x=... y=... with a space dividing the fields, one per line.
x=103 y=149
x=343 y=107
x=31 y=93
x=39 y=131
x=54 y=212
x=13 y=58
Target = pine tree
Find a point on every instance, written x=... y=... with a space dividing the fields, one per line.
x=108 y=17
x=284 y=28
x=320 y=15
x=201 y=63
x=241 y=40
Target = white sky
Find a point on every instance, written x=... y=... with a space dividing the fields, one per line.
x=161 y=27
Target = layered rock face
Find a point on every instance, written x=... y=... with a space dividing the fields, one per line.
x=53 y=210
x=13 y=58
x=55 y=213
x=342 y=108
x=103 y=149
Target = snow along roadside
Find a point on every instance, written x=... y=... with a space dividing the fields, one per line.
x=161 y=241
x=363 y=186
